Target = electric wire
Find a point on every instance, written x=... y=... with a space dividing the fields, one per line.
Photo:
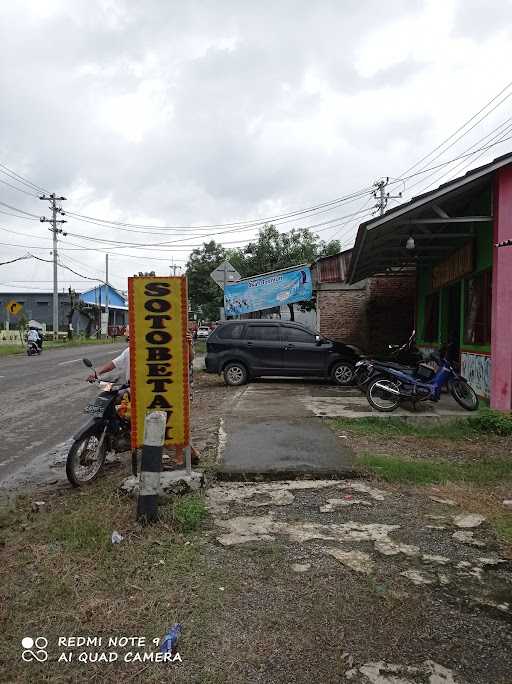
x=441 y=144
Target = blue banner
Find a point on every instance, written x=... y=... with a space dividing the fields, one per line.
x=268 y=291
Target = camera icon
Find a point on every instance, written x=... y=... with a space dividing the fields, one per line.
x=40 y=653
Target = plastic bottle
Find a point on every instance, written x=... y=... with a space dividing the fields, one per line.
x=171 y=639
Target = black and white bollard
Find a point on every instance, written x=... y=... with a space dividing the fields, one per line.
x=151 y=467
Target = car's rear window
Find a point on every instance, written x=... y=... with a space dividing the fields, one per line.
x=297 y=335
x=230 y=332
x=262 y=332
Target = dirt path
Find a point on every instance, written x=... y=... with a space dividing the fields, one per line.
x=358 y=582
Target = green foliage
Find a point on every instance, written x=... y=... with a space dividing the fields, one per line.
x=492 y=423
x=274 y=250
x=188 y=512
x=205 y=295
x=421 y=472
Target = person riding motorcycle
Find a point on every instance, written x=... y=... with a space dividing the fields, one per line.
x=34 y=335
x=120 y=363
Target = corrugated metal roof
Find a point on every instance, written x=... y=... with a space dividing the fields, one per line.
x=418 y=203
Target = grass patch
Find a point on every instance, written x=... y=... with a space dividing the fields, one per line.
x=187 y=512
x=9 y=349
x=437 y=472
x=391 y=427
x=503 y=526
x=76 y=533
x=485 y=422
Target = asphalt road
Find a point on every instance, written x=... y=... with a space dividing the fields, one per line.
x=41 y=405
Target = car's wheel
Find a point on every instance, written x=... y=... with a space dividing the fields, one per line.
x=235 y=374
x=342 y=373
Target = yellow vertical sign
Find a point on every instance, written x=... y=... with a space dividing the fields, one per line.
x=159 y=356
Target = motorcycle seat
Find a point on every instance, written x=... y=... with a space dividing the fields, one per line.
x=398 y=367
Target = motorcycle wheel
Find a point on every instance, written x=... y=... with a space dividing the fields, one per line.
x=464 y=395
x=86 y=457
x=381 y=399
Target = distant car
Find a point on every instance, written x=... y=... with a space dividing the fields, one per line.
x=242 y=350
x=202 y=332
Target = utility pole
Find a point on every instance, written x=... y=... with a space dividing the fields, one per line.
x=173 y=268
x=382 y=196
x=106 y=291
x=56 y=209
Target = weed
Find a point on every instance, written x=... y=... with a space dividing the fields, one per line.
x=188 y=512
x=491 y=422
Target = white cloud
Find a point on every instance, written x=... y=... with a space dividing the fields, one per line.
x=205 y=112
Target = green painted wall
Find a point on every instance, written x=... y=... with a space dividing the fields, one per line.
x=483 y=260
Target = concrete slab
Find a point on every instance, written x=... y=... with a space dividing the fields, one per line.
x=347 y=406
x=271 y=426
x=283 y=446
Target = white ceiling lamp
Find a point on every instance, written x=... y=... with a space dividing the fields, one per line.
x=410 y=244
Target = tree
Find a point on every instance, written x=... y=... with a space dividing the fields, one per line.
x=274 y=250
x=205 y=295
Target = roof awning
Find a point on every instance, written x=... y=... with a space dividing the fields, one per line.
x=440 y=222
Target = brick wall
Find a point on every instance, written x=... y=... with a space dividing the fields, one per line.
x=390 y=310
x=377 y=313
x=341 y=314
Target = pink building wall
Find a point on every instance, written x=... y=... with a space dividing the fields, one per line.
x=501 y=342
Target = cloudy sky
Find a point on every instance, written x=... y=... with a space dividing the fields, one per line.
x=180 y=114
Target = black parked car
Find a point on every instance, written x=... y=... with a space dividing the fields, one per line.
x=247 y=349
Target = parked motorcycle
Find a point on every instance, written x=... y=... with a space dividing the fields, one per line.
x=33 y=349
x=406 y=357
x=392 y=386
x=106 y=431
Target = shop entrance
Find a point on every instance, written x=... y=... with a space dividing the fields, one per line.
x=451 y=323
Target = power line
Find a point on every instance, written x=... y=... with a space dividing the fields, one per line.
x=24 y=218
x=493 y=99
x=450 y=161
x=30 y=194
x=505 y=129
x=50 y=261
x=249 y=223
x=20 y=179
x=21 y=211
x=184 y=230
x=21 y=258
